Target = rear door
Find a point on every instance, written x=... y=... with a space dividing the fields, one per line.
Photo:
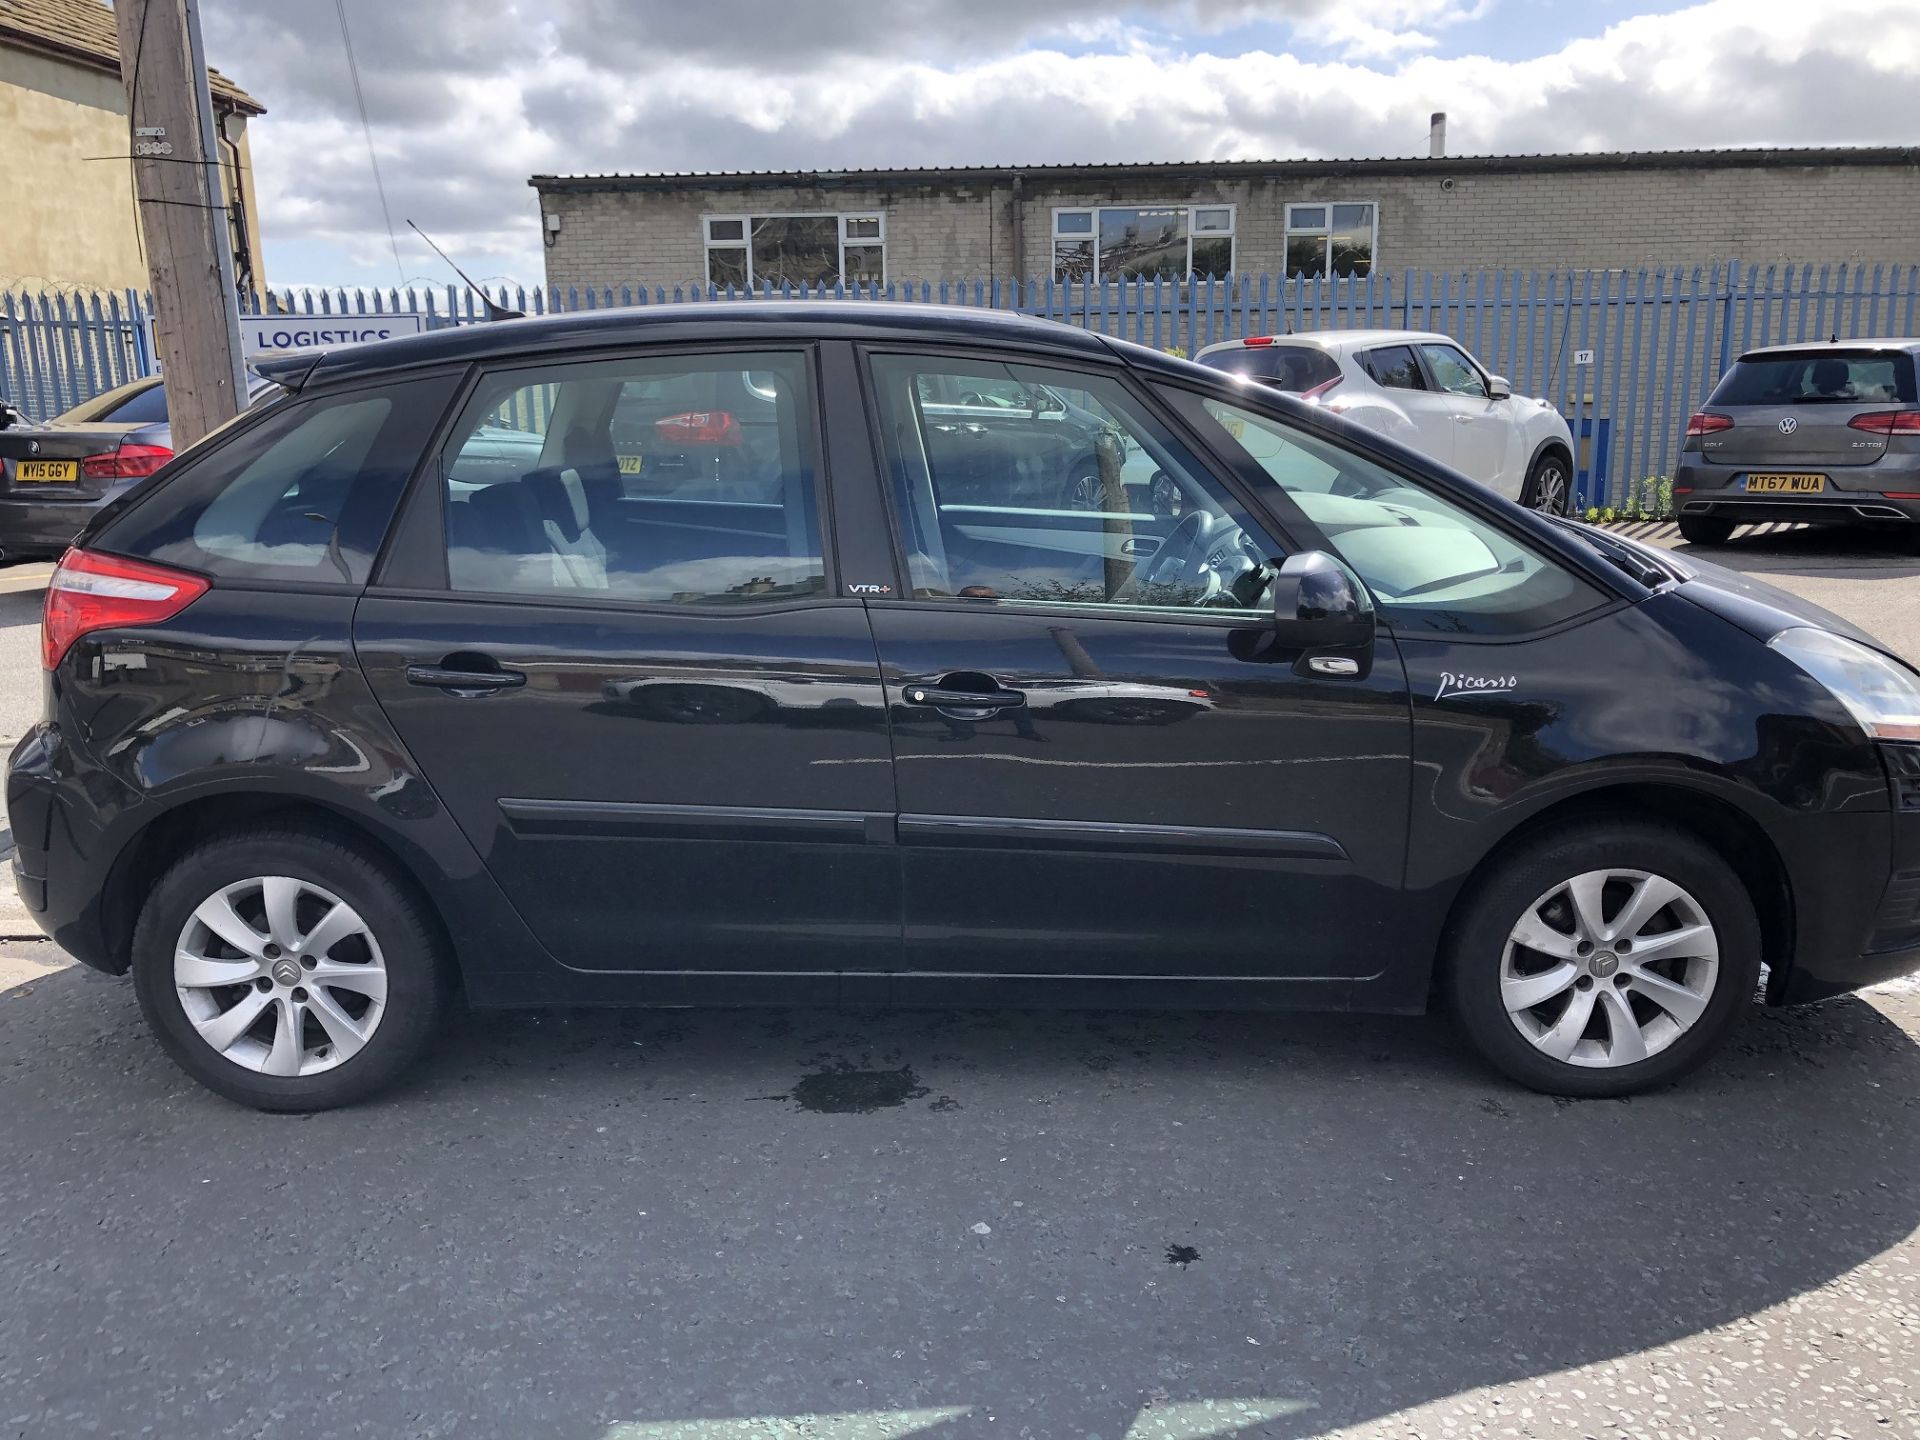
x=1397 y=370
x=646 y=707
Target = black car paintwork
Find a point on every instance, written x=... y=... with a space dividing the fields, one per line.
x=258 y=690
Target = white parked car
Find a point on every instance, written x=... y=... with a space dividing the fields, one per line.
x=1424 y=391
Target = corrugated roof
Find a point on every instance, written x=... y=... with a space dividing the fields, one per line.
x=1450 y=164
x=84 y=30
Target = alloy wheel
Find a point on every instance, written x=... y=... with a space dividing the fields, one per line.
x=1550 y=490
x=1609 y=968
x=280 y=976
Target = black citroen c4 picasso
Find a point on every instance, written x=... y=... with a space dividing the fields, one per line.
x=786 y=654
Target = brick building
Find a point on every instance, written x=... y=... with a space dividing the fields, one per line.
x=1242 y=216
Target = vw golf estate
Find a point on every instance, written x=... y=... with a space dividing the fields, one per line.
x=789 y=654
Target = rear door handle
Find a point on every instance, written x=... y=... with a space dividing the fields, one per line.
x=941 y=699
x=439 y=677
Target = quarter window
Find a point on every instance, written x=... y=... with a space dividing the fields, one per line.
x=1394 y=367
x=305 y=494
x=1431 y=564
x=796 y=249
x=1332 y=239
x=675 y=479
x=1019 y=484
x=1453 y=371
x=1148 y=242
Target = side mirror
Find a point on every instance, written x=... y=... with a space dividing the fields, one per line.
x=10 y=415
x=1320 y=604
x=1499 y=387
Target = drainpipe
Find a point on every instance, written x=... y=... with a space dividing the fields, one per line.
x=1019 y=262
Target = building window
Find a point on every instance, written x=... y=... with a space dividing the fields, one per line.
x=796 y=249
x=1332 y=239
x=1134 y=242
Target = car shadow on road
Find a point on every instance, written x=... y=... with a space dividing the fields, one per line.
x=568 y=1222
x=1815 y=551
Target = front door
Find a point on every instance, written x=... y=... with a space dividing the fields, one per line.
x=1483 y=430
x=1104 y=767
x=621 y=668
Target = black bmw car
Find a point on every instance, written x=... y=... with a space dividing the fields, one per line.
x=340 y=720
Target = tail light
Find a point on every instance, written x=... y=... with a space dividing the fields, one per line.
x=1322 y=388
x=91 y=592
x=698 y=427
x=1888 y=422
x=1704 y=424
x=129 y=462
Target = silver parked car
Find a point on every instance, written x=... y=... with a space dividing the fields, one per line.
x=1827 y=433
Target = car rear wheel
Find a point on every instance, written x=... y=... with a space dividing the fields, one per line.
x=1549 y=486
x=1705 y=530
x=1604 y=959
x=286 y=971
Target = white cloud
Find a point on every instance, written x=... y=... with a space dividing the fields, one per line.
x=464 y=114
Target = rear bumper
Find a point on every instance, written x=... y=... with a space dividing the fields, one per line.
x=1713 y=490
x=61 y=895
x=49 y=525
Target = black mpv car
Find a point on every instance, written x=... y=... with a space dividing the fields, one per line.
x=686 y=656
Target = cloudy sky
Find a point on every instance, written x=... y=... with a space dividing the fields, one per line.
x=467 y=98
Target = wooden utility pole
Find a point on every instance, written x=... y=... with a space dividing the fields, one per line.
x=183 y=214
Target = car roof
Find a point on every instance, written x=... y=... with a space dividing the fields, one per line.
x=724 y=320
x=1806 y=346
x=1339 y=339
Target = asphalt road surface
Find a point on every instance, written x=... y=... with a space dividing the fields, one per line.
x=631 y=1226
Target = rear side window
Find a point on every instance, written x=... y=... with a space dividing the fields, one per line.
x=1394 y=367
x=1822 y=376
x=305 y=495
x=1292 y=368
x=672 y=479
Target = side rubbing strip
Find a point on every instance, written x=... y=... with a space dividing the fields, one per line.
x=996 y=833
x=685 y=822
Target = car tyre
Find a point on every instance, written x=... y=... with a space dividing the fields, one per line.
x=343 y=1049
x=1549 y=485
x=1683 y=998
x=1705 y=530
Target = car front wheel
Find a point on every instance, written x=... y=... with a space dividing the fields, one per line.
x=1549 y=486
x=287 y=971
x=1604 y=959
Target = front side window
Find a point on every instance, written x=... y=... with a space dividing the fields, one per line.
x=1332 y=239
x=1143 y=242
x=1394 y=367
x=1022 y=484
x=795 y=249
x=1453 y=372
x=1432 y=565
x=306 y=494
x=681 y=479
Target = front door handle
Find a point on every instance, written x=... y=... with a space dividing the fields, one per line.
x=943 y=699
x=469 y=682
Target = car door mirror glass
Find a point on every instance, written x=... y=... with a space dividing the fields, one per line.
x=1320 y=603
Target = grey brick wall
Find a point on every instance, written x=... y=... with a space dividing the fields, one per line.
x=1585 y=218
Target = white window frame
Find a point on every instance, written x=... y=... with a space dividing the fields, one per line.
x=745 y=220
x=1325 y=232
x=1193 y=207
